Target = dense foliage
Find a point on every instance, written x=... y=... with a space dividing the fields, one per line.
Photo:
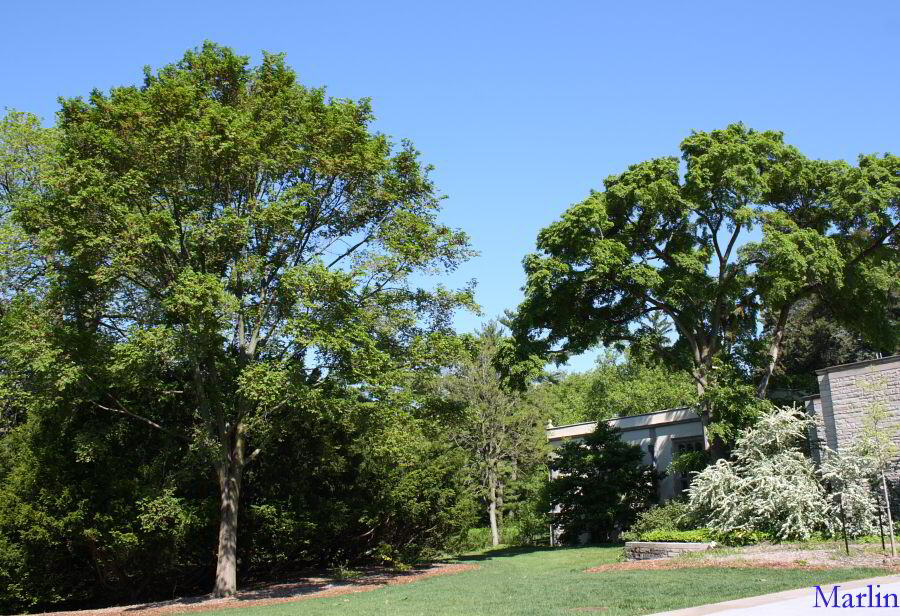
x=209 y=279
x=92 y=507
x=851 y=500
x=700 y=535
x=215 y=315
x=502 y=435
x=677 y=521
x=815 y=338
x=631 y=384
x=675 y=515
x=662 y=241
x=622 y=383
x=770 y=486
x=600 y=485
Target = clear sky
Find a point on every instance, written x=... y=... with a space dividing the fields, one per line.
x=522 y=107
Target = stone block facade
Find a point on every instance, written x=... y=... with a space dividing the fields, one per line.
x=847 y=396
x=654 y=550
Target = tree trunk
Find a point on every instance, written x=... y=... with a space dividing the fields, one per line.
x=226 y=563
x=714 y=447
x=492 y=510
x=700 y=379
x=774 y=350
x=887 y=506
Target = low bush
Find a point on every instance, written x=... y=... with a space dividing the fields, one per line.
x=700 y=535
x=527 y=531
x=737 y=538
x=472 y=540
x=674 y=515
x=688 y=462
x=523 y=532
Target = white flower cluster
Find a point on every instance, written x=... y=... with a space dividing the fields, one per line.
x=772 y=486
x=850 y=476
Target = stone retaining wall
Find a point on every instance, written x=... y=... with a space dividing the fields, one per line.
x=650 y=550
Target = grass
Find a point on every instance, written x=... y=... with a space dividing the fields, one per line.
x=552 y=581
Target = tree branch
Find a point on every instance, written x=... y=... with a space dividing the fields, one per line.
x=149 y=422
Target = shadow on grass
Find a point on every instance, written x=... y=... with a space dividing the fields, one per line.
x=504 y=552
x=295 y=587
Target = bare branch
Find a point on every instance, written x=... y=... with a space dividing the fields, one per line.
x=149 y=422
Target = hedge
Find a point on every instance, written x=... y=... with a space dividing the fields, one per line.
x=700 y=535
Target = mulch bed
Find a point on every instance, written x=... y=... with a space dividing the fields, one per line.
x=295 y=590
x=763 y=557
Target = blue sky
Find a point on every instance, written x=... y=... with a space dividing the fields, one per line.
x=522 y=107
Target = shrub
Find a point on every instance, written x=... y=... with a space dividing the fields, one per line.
x=602 y=485
x=672 y=516
x=849 y=475
x=472 y=540
x=529 y=529
x=699 y=535
x=688 y=462
x=740 y=537
x=770 y=486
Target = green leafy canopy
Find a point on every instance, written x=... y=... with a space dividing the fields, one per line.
x=672 y=241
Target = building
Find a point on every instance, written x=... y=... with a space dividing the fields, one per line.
x=660 y=435
x=847 y=395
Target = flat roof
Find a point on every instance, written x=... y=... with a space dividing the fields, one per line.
x=584 y=423
x=859 y=364
x=575 y=425
x=683 y=414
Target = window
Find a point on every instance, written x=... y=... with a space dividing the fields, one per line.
x=683 y=480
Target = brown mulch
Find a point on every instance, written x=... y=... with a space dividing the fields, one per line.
x=295 y=590
x=767 y=556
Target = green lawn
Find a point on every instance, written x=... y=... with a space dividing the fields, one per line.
x=552 y=581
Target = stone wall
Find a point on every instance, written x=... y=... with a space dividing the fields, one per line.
x=654 y=550
x=849 y=393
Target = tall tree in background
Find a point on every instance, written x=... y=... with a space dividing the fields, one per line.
x=654 y=243
x=502 y=434
x=831 y=232
x=253 y=235
x=867 y=201
x=563 y=398
x=628 y=383
x=26 y=157
x=631 y=383
x=815 y=338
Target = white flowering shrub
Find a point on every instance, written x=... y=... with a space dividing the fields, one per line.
x=769 y=486
x=849 y=476
x=780 y=430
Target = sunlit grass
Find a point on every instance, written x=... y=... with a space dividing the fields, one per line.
x=553 y=581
